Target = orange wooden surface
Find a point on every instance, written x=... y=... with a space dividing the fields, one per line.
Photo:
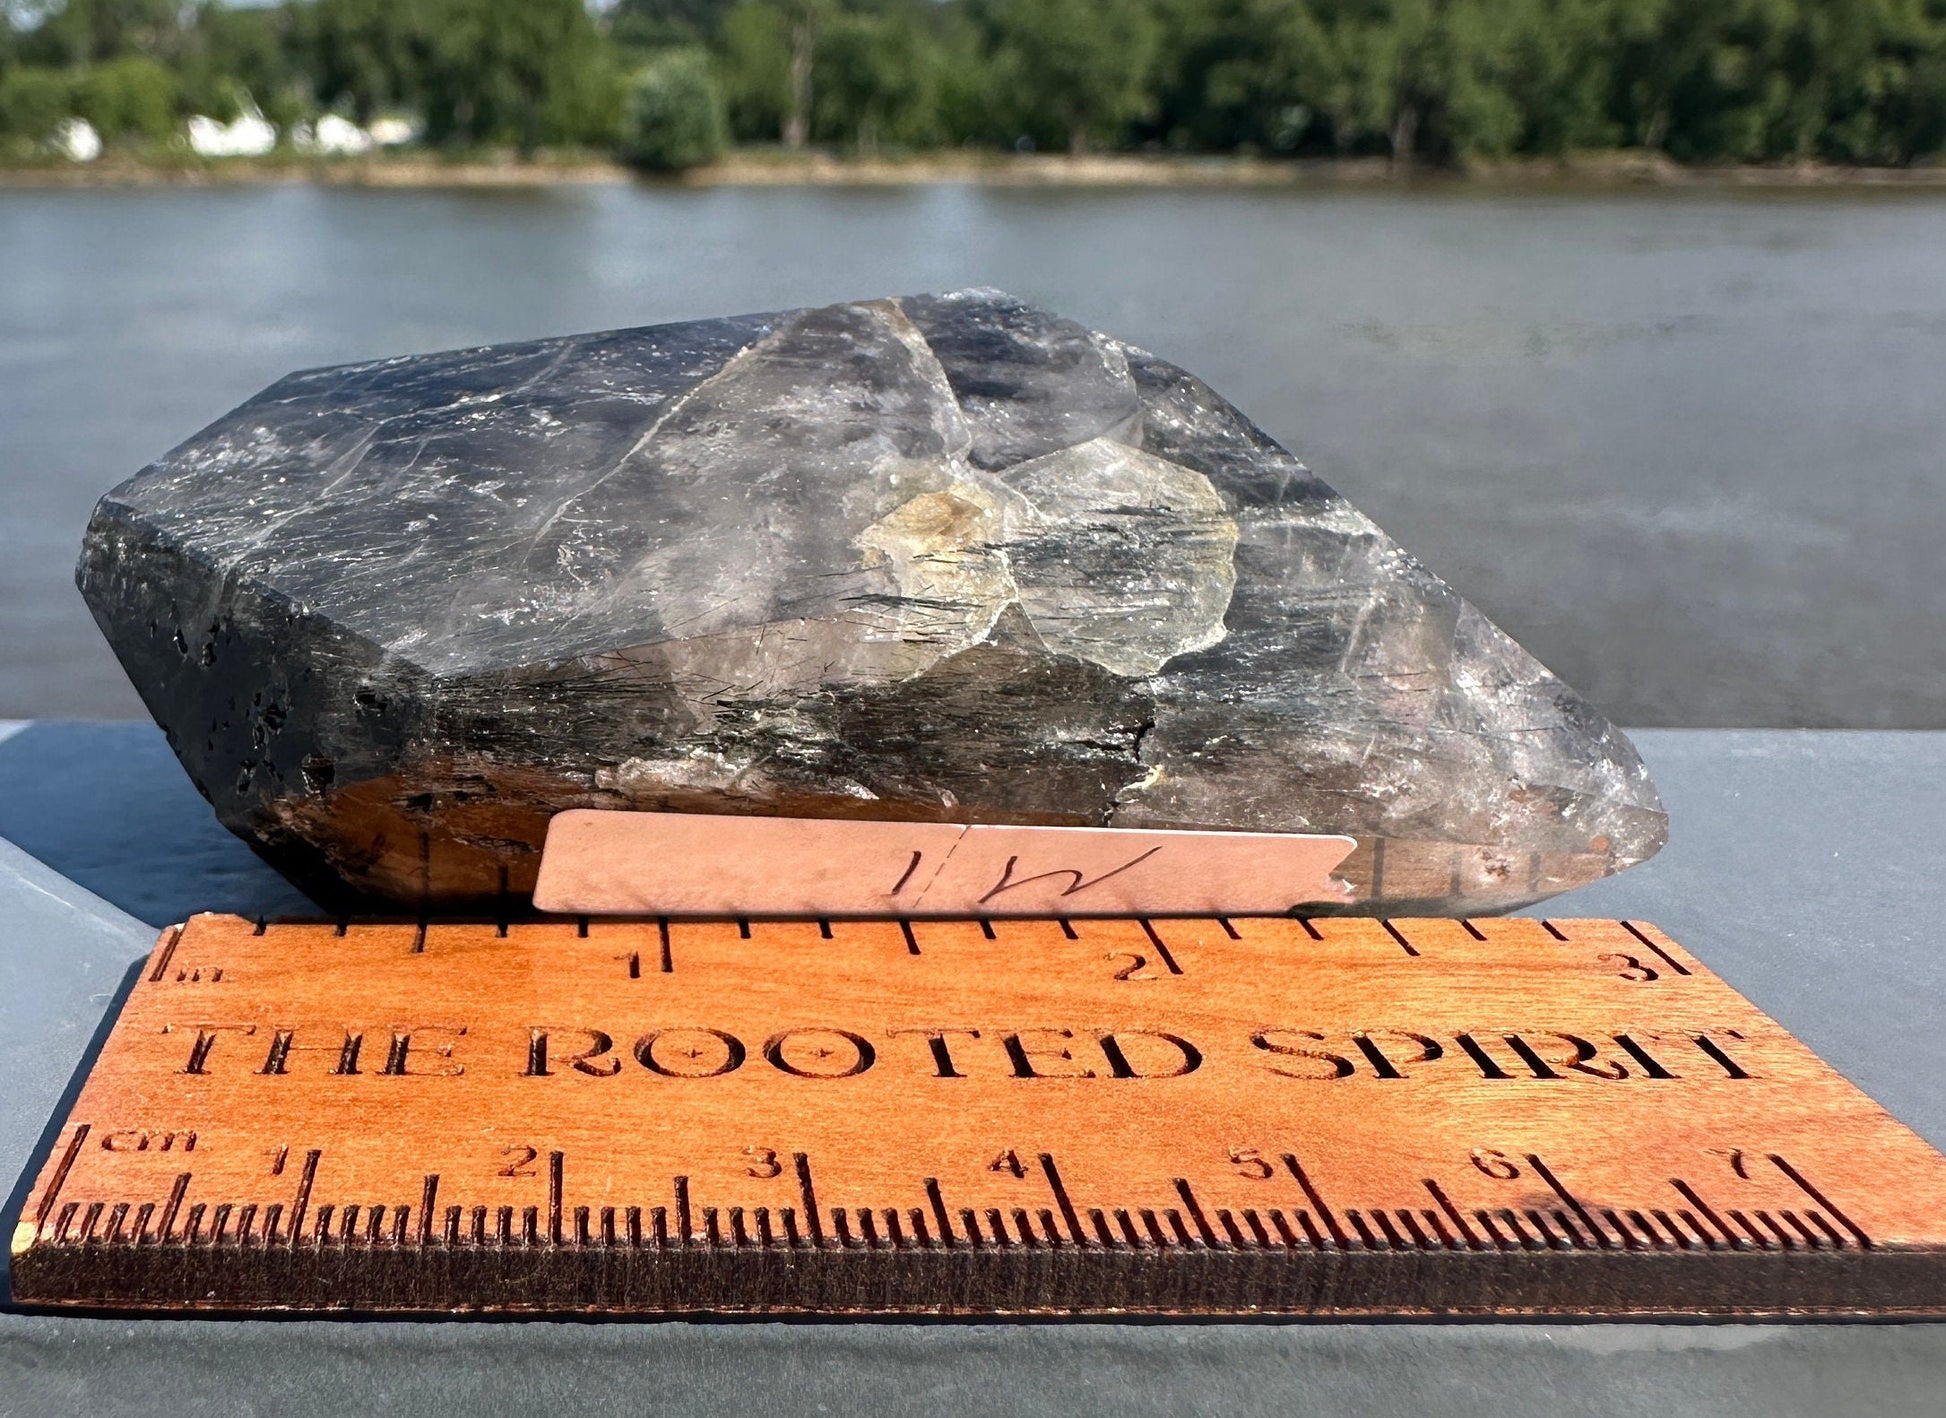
x=1340 y=1116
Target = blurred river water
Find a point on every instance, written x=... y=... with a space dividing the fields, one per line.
x=1690 y=447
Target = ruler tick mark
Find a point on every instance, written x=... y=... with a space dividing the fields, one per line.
x=1647 y=1228
x=1803 y=1184
x=1024 y=1228
x=79 y=1136
x=1788 y=1241
x=1715 y=1051
x=808 y=1191
x=938 y=1204
x=1580 y=1212
x=1103 y=1235
x=176 y=1193
x=166 y=954
x=1258 y=1234
x=1452 y=1214
x=1667 y=958
x=1407 y=946
x=1060 y=1191
x=1181 y=1230
x=1161 y=949
x=303 y=1198
x=1757 y=1237
x=1440 y=1238
x=1231 y=1234
x=1690 y=1195
x=1317 y=1202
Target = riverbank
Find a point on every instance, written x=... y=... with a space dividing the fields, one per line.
x=761 y=168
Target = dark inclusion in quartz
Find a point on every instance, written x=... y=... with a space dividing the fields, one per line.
x=940 y=558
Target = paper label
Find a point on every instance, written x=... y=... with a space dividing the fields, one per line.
x=694 y=864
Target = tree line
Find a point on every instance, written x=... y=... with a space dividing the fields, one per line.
x=670 y=83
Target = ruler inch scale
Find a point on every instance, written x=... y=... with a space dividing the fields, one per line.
x=1223 y=1116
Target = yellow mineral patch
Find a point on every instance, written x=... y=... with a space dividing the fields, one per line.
x=942 y=552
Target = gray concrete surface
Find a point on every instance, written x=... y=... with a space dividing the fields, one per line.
x=1805 y=868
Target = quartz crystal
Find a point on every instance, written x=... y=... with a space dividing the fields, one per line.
x=940 y=558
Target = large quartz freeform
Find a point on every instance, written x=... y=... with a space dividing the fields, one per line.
x=941 y=558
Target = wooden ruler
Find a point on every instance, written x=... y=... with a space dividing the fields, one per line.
x=1211 y=1116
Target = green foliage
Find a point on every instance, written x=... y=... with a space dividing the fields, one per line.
x=371 y=55
x=511 y=71
x=517 y=72
x=1445 y=81
x=876 y=77
x=33 y=102
x=233 y=57
x=1728 y=80
x=1078 y=70
x=673 y=117
x=128 y=100
x=754 y=53
x=79 y=32
x=643 y=26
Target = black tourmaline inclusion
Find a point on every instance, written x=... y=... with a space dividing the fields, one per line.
x=940 y=558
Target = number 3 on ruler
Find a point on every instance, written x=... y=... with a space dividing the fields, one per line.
x=1250 y=1163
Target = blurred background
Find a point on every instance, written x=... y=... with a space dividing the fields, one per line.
x=1627 y=316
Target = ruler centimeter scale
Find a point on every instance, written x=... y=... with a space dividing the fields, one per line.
x=1215 y=1116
